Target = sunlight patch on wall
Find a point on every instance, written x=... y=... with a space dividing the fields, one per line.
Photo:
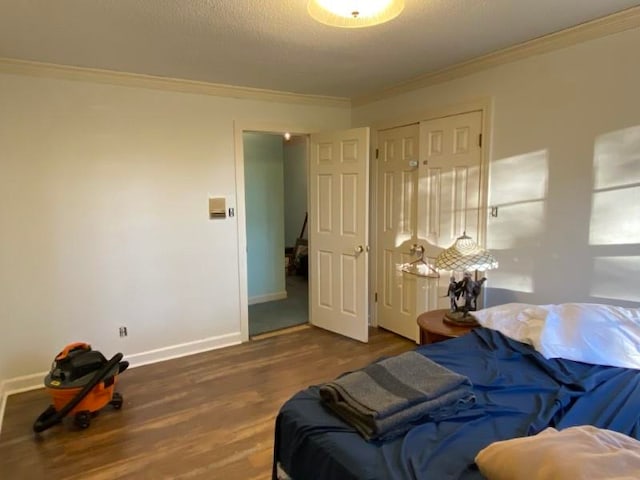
x=517 y=225
x=616 y=278
x=519 y=190
x=513 y=274
x=615 y=213
x=617 y=159
x=615 y=217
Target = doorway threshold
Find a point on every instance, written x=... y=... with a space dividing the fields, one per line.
x=282 y=331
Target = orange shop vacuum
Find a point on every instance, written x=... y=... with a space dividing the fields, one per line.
x=81 y=382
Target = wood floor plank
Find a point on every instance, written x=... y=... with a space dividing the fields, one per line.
x=205 y=416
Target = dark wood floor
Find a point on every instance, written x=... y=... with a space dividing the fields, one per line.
x=205 y=416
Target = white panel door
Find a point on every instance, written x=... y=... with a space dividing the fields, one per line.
x=338 y=232
x=397 y=186
x=450 y=192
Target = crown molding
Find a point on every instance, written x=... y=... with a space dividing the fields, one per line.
x=94 y=75
x=615 y=23
x=601 y=27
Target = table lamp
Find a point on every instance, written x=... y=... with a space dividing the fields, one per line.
x=465 y=256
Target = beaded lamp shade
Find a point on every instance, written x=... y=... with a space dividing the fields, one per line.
x=465 y=255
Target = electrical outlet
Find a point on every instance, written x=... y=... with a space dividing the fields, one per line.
x=123 y=331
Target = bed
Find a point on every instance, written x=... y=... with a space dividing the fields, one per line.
x=519 y=392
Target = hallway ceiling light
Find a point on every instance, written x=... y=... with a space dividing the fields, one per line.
x=354 y=13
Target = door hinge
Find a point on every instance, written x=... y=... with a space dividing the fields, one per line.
x=375 y=297
x=480 y=140
x=377 y=153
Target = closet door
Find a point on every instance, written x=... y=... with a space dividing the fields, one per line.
x=450 y=190
x=396 y=215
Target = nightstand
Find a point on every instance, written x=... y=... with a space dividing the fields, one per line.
x=433 y=329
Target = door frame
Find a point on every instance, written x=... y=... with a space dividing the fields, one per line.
x=239 y=127
x=484 y=105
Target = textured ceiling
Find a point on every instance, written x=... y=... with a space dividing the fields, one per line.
x=274 y=44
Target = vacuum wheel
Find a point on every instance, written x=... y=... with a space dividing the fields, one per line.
x=82 y=419
x=117 y=401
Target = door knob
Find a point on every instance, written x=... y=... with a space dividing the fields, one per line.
x=359 y=249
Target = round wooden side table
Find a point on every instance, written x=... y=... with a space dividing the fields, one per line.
x=434 y=329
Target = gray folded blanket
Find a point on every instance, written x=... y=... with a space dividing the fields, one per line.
x=383 y=399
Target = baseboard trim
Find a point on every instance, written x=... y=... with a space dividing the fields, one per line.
x=183 y=349
x=270 y=297
x=34 y=381
x=24 y=383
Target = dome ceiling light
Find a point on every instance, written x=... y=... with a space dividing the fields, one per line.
x=354 y=13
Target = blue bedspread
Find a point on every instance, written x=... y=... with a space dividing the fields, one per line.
x=518 y=393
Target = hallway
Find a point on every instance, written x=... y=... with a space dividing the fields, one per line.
x=294 y=310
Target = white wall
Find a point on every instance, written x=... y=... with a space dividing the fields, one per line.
x=103 y=215
x=103 y=197
x=565 y=169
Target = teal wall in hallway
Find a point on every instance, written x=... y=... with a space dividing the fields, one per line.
x=295 y=188
x=264 y=197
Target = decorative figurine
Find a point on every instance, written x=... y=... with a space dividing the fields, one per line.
x=469 y=289
x=471 y=292
x=453 y=293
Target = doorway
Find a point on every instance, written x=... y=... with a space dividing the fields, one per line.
x=338 y=164
x=275 y=172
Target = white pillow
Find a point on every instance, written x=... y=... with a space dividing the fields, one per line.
x=584 y=332
x=520 y=321
x=576 y=453
x=592 y=333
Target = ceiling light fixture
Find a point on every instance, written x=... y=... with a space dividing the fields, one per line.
x=354 y=13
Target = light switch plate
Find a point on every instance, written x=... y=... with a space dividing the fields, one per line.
x=217 y=207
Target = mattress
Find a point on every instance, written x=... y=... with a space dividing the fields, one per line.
x=518 y=391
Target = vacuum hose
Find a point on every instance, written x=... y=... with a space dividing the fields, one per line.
x=51 y=416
